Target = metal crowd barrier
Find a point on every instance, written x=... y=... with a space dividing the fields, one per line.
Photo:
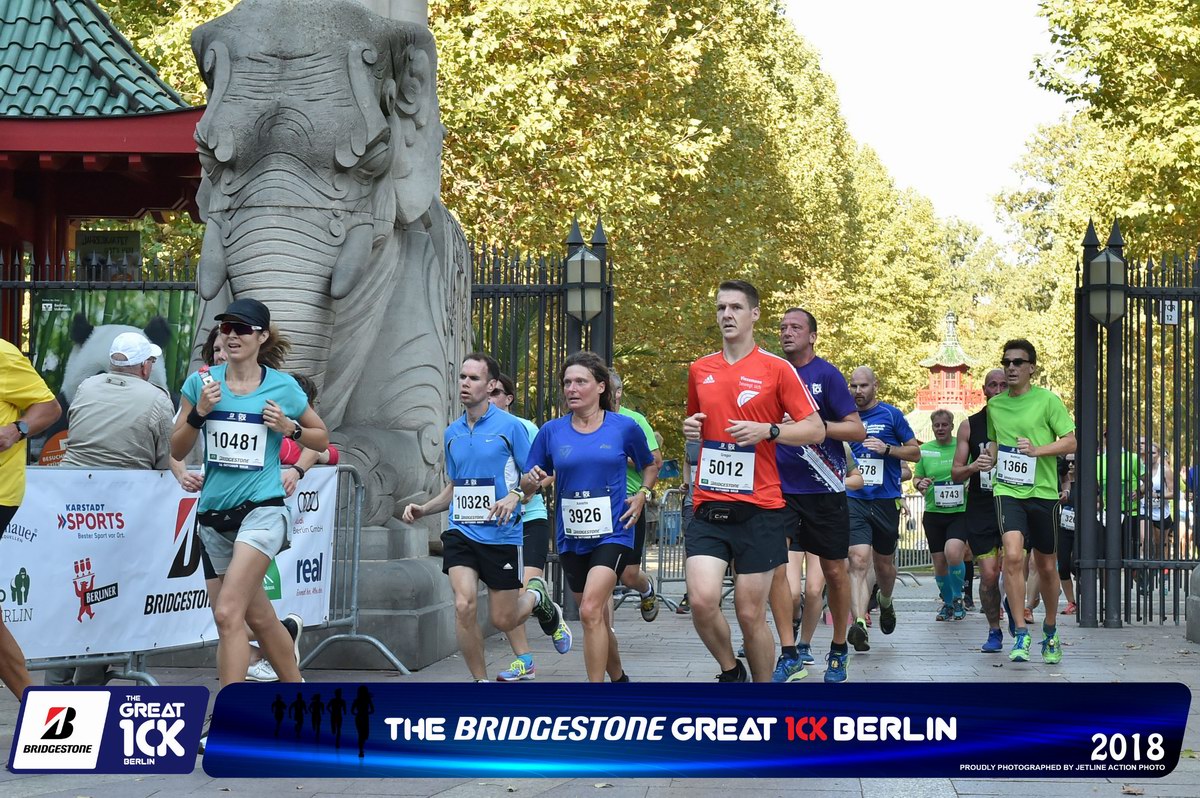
x=913 y=550
x=343 y=603
x=347 y=555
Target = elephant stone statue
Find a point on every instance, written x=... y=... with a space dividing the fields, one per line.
x=321 y=172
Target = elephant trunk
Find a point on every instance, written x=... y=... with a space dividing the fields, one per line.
x=286 y=262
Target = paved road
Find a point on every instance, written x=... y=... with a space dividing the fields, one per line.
x=668 y=650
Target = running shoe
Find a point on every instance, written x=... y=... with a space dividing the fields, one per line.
x=623 y=680
x=546 y=611
x=520 y=670
x=261 y=671
x=295 y=627
x=835 y=670
x=887 y=618
x=968 y=602
x=649 y=604
x=995 y=642
x=959 y=610
x=1052 y=649
x=741 y=652
x=857 y=636
x=1028 y=615
x=1012 y=619
x=788 y=670
x=684 y=607
x=738 y=675
x=945 y=613
x=805 y=651
x=1020 y=649
x=562 y=634
x=1071 y=608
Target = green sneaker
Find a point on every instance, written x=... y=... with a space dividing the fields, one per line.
x=544 y=610
x=1052 y=649
x=857 y=635
x=1020 y=649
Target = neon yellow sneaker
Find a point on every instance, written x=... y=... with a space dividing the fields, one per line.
x=1052 y=649
x=1020 y=649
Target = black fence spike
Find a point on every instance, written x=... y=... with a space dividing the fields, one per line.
x=1090 y=239
x=575 y=237
x=1115 y=241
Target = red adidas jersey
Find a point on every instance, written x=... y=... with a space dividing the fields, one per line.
x=759 y=387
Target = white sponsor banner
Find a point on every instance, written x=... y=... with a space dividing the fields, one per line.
x=107 y=561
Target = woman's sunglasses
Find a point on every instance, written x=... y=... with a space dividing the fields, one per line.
x=237 y=328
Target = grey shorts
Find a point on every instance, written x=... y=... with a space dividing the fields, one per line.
x=268 y=529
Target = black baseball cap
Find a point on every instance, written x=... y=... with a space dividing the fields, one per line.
x=251 y=311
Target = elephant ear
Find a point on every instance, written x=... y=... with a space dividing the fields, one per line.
x=410 y=104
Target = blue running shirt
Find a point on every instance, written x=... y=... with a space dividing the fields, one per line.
x=888 y=424
x=241 y=454
x=483 y=463
x=588 y=466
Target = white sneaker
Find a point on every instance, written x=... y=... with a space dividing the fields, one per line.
x=261 y=671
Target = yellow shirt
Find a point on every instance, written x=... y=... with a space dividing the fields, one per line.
x=20 y=387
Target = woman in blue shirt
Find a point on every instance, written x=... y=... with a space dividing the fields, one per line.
x=243 y=410
x=587 y=451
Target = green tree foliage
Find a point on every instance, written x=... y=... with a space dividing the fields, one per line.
x=709 y=140
x=1134 y=67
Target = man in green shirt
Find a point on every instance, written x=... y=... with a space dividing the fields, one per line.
x=633 y=577
x=1029 y=428
x=944 y=522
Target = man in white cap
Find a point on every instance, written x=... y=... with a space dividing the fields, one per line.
x=117 y=420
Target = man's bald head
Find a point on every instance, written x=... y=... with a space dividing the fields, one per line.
x=863 y=385
x=994 y=383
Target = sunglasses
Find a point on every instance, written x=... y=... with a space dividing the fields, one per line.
x=497 y=392
x=1016 y=361
x=237 y=328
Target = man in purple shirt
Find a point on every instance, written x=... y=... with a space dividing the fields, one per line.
x=813 y=479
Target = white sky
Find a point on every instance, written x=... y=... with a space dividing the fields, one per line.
x=939 y=88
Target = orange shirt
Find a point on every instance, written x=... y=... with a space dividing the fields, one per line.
x=759 y=387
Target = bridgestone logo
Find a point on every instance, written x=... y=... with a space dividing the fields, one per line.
x=59 y=748
x=160 y=603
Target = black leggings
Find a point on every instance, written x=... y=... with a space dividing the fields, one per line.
x=1066 y=553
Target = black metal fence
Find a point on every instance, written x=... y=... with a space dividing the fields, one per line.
x=1137 y=397
x=519 y=315
x=20 y=277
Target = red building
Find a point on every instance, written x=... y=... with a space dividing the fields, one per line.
x=950 y=385
x=87 y=130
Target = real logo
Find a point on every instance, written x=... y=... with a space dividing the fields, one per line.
x=745 y=396
x=308 y=501
x=187 y=543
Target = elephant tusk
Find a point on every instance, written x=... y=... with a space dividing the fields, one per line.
x=351 y=261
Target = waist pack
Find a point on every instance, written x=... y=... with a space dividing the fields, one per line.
x=727 y=512
x=230 y=521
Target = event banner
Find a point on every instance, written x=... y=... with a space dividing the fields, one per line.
x=150 y=730
x=883 y=729
x=107 y=561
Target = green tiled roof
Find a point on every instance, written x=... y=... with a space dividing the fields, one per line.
x=950 y=353
x=64 y=58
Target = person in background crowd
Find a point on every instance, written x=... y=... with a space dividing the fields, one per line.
x=27 y=407
x=535 y=547
x=632 y=576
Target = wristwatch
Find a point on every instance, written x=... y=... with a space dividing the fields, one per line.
x=22 y=429
x=774 y=432
x=648 y=491
x=297 y=432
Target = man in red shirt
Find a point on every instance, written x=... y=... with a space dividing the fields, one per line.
x=737 y=399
